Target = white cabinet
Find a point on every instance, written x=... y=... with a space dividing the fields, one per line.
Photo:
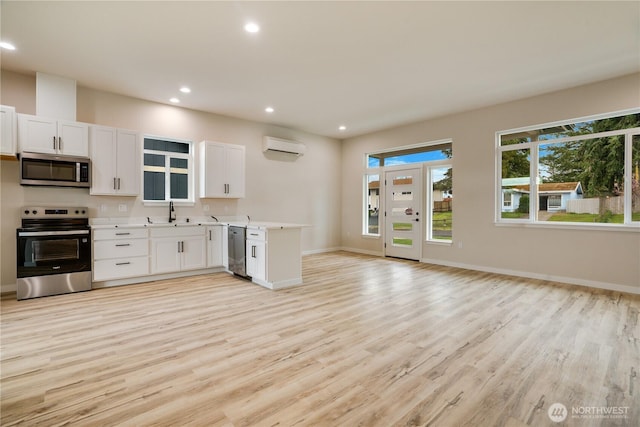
x=215 y=246
x=7 y=131
x=177 y=249
x=120 y=253
x=43 y=135
x=222 y=170
x=256 y=255
x=273 y=256
x=115 y=161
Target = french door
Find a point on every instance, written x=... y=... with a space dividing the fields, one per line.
x=403 y=219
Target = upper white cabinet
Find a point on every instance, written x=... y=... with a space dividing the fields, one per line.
x=43 y=135
x=115 y=161
x=222 y=170
x=7 y=131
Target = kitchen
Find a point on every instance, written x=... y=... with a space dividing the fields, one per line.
x=277 y=187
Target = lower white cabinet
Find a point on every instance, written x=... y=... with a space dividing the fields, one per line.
x=215 y=245
x=256 y=255
x=177 y=249
x=120 y=253
x=273 y=256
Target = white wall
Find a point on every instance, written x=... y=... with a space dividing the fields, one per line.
x=609 y=259
x=303 y=191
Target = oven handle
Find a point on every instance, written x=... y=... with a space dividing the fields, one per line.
x=52 y=233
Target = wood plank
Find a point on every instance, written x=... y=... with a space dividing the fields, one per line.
x=366 y=341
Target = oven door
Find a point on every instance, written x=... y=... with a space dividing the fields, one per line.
x=42 y=253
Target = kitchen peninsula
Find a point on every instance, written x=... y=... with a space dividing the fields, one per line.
x=136 y=250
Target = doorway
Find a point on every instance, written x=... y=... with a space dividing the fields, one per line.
x=403 y=220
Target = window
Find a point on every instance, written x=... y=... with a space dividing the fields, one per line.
x=441 y=197
x=436 y=154
x=571 y=172
x=168 y=170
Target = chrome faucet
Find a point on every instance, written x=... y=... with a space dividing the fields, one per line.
x=172 y=212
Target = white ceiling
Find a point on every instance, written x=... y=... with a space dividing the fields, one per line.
x=365 y=65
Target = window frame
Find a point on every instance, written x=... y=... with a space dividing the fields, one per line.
x=429 y=166
x=190 y=201
x=379 y=170
x=533 y=147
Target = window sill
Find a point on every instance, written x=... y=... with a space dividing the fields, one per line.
x=371 y=236
x=439 y=242
x=166 y=203
x=571 y=226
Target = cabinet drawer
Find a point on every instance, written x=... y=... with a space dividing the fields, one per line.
x=123 y=248
x=110 y=269
x=120 y=233
x=177 y=232
x=256 y=234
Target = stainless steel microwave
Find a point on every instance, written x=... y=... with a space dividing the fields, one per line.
x=53 y=170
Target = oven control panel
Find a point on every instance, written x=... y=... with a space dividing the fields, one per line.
x=37 y=212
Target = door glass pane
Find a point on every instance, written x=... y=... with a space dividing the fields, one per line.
x=401 y=210
x=403 y=180
x=402 y=241
x=402 y=226
x=515 y=184
x=402 y=196
x=635 y=178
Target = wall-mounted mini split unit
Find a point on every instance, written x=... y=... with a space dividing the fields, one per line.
x=279 y=145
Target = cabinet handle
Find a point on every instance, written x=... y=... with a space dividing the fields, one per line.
x=209 y=234
x=178 y=246
x=253 y=251
x=122 y=244
x=60 y=143
x=123 y=263
x=118 y=183
x=122 y=234
x=114 y=183
x=54 y=142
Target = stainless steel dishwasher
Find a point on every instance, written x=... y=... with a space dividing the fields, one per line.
x=237 y=253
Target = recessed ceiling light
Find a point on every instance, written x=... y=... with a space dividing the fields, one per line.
x=185 y=89
x=251 y=27
x=341 y=128
x=269 y=110
x=7 y=45
x=174 y=100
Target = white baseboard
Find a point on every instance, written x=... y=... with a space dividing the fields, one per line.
x=362 y=251
x=530 y=275
x=319 y=251
x=9 y=288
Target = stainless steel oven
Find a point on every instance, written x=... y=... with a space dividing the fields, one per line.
x=53 y=252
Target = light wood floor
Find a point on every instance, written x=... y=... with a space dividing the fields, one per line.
x=367 y=342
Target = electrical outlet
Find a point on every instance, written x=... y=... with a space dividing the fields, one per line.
x=122 y=208
x=460 y=244
x=103 y=208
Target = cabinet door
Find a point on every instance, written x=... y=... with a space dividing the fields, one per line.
x=73 y=138
x=214 y=246
x=7 y=131
x=193 y=252
x=165 y=257
x=235 y=176
x=212 y=166
x=256 y=259
x=37 y=134
x=127 y=163
x=103 y=157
